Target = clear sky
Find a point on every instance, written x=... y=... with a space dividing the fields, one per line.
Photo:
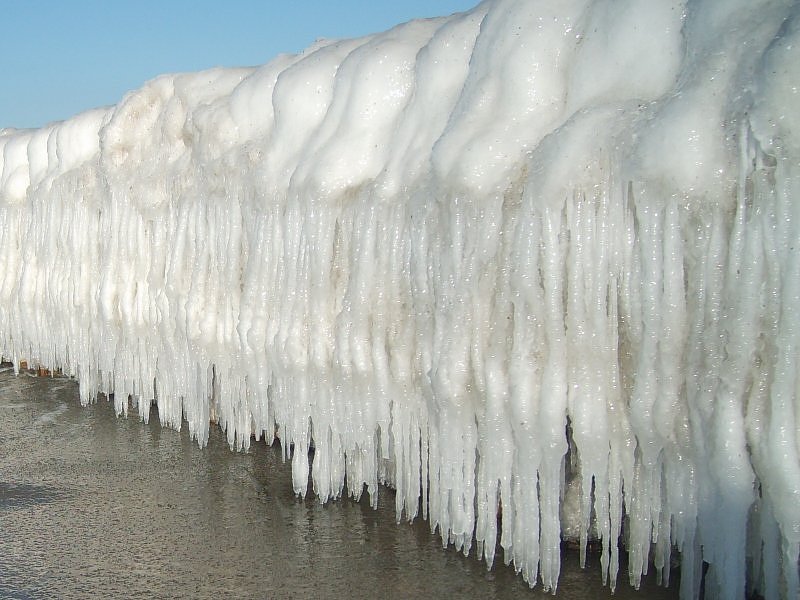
x=61 y=57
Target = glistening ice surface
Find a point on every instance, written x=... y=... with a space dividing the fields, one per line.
x=540 y=257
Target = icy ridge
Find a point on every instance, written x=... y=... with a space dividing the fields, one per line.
x=540 y=258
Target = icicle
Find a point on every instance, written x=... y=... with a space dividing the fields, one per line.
x=535 y=266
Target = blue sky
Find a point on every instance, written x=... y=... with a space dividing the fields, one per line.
x=60 y=57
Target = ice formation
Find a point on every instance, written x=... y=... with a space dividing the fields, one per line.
x=542 y=258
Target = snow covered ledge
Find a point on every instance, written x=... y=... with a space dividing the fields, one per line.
x=540 y=255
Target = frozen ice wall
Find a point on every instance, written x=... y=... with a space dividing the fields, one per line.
x=541 y=258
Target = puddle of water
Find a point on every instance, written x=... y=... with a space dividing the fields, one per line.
x=23 y=494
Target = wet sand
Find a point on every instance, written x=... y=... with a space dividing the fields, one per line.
x=92 y=505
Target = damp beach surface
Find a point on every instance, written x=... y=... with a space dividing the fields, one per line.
x=92 y=505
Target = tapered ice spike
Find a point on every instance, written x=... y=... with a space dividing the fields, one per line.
x=536 y=266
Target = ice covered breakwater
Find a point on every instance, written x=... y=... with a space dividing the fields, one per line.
x=541 y=256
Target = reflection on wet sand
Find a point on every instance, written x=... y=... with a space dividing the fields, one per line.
x=92 y=505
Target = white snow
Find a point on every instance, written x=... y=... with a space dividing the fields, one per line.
x=433 y=251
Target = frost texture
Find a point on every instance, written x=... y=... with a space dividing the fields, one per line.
x=540 y=257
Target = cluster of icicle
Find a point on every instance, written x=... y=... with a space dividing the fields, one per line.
x=540 y=258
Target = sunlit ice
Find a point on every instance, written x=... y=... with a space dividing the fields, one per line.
x=537 y=259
